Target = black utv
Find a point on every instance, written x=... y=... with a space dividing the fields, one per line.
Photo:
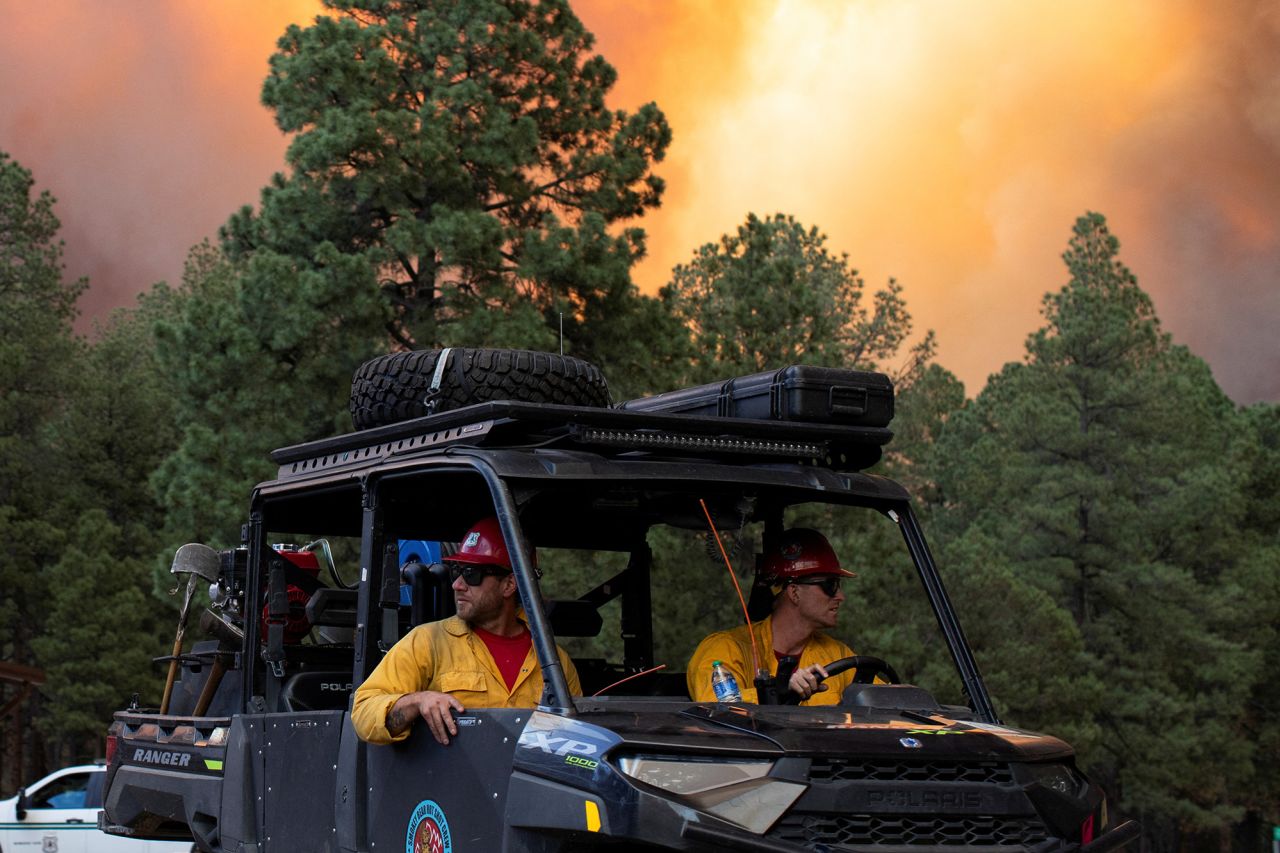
x=624 y=505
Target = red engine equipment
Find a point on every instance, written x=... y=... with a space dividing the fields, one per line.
x=296 y=625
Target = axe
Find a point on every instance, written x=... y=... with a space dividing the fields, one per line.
x=197 y=562
x=229 y=637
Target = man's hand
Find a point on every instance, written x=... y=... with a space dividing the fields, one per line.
x=430 y=706
x=804 y=682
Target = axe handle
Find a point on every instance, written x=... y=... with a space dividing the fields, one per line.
x=210 y=686
x=177 y=643
x=173 y=673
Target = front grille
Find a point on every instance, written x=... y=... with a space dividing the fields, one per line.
x=949 y=831
x=849 y=770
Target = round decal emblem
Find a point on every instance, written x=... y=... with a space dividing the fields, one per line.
x=428 y=830
x=792 y=551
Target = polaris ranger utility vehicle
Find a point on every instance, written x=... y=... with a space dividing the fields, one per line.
x=627 y=508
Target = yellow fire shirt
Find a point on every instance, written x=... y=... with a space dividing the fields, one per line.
x=733 y=649
x=447 y=657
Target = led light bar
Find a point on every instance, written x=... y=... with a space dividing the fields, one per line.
x=652 y=440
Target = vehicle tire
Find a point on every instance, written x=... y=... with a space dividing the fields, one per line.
x=397 y=387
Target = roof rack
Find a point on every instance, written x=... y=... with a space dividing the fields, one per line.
x=514 y=424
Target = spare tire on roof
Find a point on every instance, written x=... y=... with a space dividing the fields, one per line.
x=404 y=385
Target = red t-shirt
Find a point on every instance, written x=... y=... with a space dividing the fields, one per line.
x=508 y=652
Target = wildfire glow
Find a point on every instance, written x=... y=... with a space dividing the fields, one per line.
x=949 y=145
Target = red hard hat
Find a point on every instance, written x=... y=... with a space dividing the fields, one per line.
x=801 y=552
x=483 y=546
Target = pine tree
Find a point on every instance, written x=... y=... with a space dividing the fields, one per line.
x=1106 y=470
x=451 y=163
x=37 y=307
x=455 y=178
x=103 y=621
x=771 y=295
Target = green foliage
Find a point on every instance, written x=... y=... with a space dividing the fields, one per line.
x=118 y=423
x=36 y=346
x=102 y=626
x=772 y=295
x=101 y=638
x=922 y=407
x=462 y=157
x=250 y=374
x=1103 y=473
x=84 y=424
x=36 y=350
x=1258 y=586
x=1262 y=515
x=455 y=179
x=1014 y=627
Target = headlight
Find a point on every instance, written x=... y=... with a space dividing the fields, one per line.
x=1059 y=778
x=740 y=792
x=693 y=777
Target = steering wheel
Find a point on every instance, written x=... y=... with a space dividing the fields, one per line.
x=868 y=668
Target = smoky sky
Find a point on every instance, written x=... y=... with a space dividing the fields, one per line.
x=949 y=145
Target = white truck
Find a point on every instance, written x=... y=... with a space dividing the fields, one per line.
x=59 y=814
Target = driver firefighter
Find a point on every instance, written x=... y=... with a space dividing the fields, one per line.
x=805 y=576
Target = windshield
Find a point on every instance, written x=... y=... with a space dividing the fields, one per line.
x=694 y=557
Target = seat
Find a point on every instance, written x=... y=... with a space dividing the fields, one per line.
x=334 y=607
x=317 y=691
x=573 y=617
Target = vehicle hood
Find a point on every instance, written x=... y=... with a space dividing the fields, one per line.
x=821 y=731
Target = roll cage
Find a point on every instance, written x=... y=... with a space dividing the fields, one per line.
x=555 y=476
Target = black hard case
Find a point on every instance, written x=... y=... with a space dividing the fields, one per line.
x=829 y=395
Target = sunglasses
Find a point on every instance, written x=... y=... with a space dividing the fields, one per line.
x=828 y=585
x=474 y=575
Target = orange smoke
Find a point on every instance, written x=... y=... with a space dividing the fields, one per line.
x=948 y=145
x=952 y=146
x=144 y=122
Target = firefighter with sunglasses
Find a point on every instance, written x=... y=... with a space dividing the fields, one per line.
x=805 y=576
x=481 y=658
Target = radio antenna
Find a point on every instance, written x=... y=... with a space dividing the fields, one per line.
x=751 y=631
x=562 y=333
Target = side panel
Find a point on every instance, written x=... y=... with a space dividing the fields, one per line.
x=349 y=800
x=301 y=771
x=280 y=775
x=458 y=791
x=244 y=775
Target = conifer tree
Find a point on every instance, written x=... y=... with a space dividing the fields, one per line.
x=452 y=163
x=773 y=294
x=37 y=307
x=455 y=178
x=104 y=622
x=1106 y=467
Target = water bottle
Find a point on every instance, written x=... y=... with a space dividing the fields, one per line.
x=724 y=684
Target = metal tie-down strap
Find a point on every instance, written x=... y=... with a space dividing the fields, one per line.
x=433 y=392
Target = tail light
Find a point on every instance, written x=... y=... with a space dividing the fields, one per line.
x=111 y=748
x=1086 y=830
